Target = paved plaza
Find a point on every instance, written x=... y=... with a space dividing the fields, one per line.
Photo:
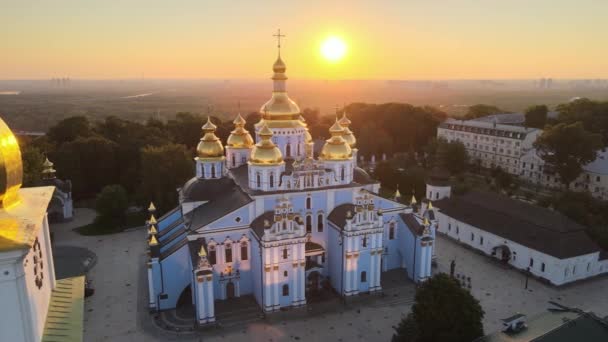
x=117 y=311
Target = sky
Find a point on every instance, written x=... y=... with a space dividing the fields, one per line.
x=405 y=39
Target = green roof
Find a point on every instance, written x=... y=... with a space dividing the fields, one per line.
x=64 y=320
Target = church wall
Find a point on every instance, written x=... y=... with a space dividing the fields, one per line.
x=363 y=265
x=410 y=248
x=256 y=272
x=176 y=276
x=11 y=324
x=334 y=258
x=393 y=249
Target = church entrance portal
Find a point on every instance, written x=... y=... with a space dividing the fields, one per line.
x=230 y=290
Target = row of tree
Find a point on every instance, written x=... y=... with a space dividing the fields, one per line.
x=151 y=159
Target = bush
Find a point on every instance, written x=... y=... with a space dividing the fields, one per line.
x=111 y=204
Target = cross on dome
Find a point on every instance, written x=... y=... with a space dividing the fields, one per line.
x=279 y=36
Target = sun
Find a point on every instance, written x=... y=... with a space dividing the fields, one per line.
x=333 y=49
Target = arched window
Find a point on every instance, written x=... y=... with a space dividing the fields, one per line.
x=284 y=225
x=212 y=170
x=233 y=160
x=288 y=150
x=272 y=179
x=364 y=241
x=258 y=180
x=298 y=149
x=285 y=290
x=342 y=173
x=244 y=254
x=391 y=231
x=308 y=203
x=228 y=253
x=308 y=223
x=363 y=277
x=211 y=255
x=285 y=253
x=436 y=195
x=320 y=223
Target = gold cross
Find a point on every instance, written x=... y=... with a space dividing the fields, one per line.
x=278 y=35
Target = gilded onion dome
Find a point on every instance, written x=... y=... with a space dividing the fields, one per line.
x=348 y=136
x=336 y=148
x=280 y=106
x=239 y=137
x=210 y=146
x=11 y=167
x=265 y=152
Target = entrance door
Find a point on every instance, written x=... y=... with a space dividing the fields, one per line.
x=230 y=290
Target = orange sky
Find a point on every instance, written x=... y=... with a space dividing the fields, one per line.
x=406 y=39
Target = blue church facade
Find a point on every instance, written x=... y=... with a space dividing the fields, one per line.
x=271 y=219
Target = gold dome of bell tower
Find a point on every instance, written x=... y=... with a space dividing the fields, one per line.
x=11 y=167
x=348 y=136
x=210 y=146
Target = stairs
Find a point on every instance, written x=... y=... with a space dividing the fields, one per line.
x=237 y=311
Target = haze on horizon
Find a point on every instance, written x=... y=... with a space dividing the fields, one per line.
x=452 y=39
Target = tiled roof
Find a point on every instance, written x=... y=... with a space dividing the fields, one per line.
x=412 y=223
x=535 y=227
x=338 y=215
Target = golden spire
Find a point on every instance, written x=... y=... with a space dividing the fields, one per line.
x=151 y=207
x=397 y=193
x=152 y=230
x=152 y=219
x=11 y=168
x=413 y=201
x=430 y=205
x=426 y=222
x=239 y=137
x=210 y=146
x=202 y=252
x=266 y=152
x=153 y=241
x=336 y=148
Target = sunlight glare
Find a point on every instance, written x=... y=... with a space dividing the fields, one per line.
x=333 y=49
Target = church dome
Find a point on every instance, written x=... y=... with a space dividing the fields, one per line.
x=210 y=146
x=280 y=106
x=307 y=136
x=11 y=168
x=266 y=152
x=336 y=148
x=239 y=137
x=348 y=136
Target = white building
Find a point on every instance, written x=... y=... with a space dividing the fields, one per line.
x=494 y=145
x=34 y=305
x=593 y=179
x=522 y=235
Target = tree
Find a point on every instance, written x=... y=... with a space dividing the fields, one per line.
x=185 y=129
x=111 y=204
x=567 y=147
x=481 y=110
x=69 y=129
x=451 y=155
x=443 y=311
x=164 y=169
x=536 y=116
x=32 y=165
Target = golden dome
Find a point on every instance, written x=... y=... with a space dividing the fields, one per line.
x=348 y=134
x=336 y=148
x=279 y=66
x=210 y=146
x=265 y=152
x=239 y=137
x=349 y=137
x=11 y=168
x=280 y=106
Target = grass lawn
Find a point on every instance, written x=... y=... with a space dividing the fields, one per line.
x=98 y=228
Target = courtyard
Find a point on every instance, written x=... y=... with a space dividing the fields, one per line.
x=118 y=310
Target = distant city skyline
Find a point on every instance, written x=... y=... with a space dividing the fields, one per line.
x=451 y=39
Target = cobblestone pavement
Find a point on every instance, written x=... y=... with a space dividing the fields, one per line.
x=501 y=290
x=117 y=311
